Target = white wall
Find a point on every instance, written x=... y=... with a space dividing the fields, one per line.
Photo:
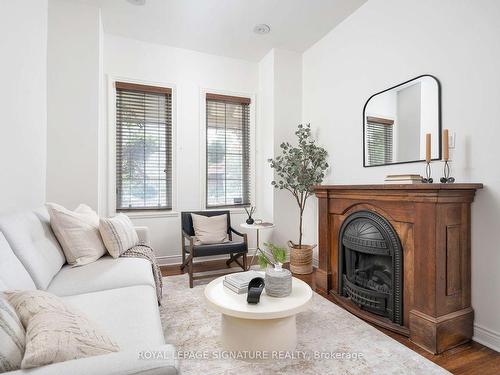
x=73 y=80
x=265 y=149
x=457 y=41
x=189 y=73
x=287 y=115
x=23 y=64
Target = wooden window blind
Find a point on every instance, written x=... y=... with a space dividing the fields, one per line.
x=143 y=147
x=227 y=151
x=379 y=137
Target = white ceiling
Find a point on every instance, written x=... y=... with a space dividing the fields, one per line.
x=225 y=27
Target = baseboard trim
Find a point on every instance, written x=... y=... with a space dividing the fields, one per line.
x=487 y=337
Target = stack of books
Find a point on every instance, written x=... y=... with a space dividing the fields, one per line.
x=238 y=282
x=403 y=179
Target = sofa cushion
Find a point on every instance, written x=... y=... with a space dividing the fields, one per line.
x=32 y=240
x=129 y=315
x=129 y=362
x=77 y=232
x=218 y=249
x=13 y=275
x=105 y=273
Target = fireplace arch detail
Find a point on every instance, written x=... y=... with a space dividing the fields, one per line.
x=371 y=264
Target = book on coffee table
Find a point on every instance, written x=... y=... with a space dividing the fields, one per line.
x=238 y=282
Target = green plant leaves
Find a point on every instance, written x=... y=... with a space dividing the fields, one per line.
x=278 y=255
x=300 y=167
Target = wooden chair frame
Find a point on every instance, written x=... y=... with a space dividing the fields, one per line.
x=188 y=261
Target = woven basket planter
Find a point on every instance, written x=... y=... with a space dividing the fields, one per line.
x=301 y=258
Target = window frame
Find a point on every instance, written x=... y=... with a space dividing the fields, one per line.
x=111 y=147
x=203 y=148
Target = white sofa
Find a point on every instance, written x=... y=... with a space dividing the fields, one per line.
x=118 y=294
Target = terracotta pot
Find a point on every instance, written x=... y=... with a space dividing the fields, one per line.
x=301 y=258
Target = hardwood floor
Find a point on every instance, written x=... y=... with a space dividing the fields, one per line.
x=468 y=359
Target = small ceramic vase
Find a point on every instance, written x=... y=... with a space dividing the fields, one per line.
x=278 y=281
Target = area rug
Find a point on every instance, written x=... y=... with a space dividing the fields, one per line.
x=330 y=341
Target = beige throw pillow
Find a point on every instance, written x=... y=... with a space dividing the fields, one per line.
x=12 y=337
x=56 y=332
x=77 y=232
x=118 y=234
x=210 y=230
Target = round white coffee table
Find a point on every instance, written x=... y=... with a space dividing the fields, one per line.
x=267 y=326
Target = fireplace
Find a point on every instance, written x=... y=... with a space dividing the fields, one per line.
x=398 y=256
x=370 y=265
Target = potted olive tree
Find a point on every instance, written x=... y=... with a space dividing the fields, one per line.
x=298 y=169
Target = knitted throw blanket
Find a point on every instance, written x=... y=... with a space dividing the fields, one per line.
x=146 y=252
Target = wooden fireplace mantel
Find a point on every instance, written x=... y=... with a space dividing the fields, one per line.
x=433 y=225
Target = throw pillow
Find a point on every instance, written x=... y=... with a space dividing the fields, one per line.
x=56 y=332
x=77 y=232
x=210 y=229
x=30 y=302
x=12 y=337
x=118 y=234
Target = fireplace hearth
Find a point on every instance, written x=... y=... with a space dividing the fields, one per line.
x=371 y=265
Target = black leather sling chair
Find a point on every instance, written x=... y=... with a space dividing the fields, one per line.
x=235 y=249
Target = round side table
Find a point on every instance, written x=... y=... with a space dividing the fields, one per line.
x=256 y=227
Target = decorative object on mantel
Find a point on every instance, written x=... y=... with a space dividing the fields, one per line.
x=278 y=280
x=432 y=224
x=403 y=179
x=299 y=168
x=250 y=221
x=447 y=179
x=255 y=288
x=428 y=179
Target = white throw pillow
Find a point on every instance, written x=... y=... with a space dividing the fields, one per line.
x=12 y=337
x=118 y=234
x=56 y=332
x=210 y=230
x=77 y=232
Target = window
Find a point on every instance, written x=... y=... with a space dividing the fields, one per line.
x=228 y=151
x=379 y=134
x=143 y=147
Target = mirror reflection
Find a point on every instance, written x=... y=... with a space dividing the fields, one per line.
x=397 y=120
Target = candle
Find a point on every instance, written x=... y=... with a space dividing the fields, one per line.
x=446 y=143
x=428 y=147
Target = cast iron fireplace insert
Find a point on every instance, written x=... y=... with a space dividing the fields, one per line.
x=371 y=265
